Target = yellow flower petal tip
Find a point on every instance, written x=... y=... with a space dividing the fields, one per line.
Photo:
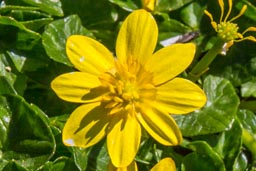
x=166 y=164
x=149 y=5
x=226 y=29
x=120 y=95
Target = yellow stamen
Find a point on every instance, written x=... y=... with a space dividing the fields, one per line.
x=213 y=23
x=240 y=13
x=221 y=4
x=229 y=10
x=249 y=29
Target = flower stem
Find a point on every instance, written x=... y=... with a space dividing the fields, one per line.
x=202 y=66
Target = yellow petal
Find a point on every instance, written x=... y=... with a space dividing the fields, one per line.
x=160 y=126
x=88 y=55
x=149 y=4
x=166 y=164
x=76 y=87
x=137 y=37
x=170 y=61
x=131 y=167
x=179 y=96
x=86 y=126
x=123 y=139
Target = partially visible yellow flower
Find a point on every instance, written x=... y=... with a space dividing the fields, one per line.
x=149 y=4
x=226 y=29
x=166 y=164
x=119 y=95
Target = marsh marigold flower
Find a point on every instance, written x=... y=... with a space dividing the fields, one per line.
x=166 y=164
x=123 y=94
x=226 y=29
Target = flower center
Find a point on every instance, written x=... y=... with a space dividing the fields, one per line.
x=126 y=87
x=227 y=31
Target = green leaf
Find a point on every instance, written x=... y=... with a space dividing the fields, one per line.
x=167 y=5
x=93 y=15
x=49 y=6
x=27 y=137
x=52 y=7
x=128 y=5
x=37 y=24
x=80 y=156
x=98 y=158
x=27 y=61
x=248 y=89
x=13 y=166
x=6 y=9
x=248 y=120
x=203 y=158
x=13 y=31
x=6 y=87
x=229 y=145
x=60 y=164
x=56 y=34
x=217 y=115
x=192 y=15
x=170 y=27
x=241 y=162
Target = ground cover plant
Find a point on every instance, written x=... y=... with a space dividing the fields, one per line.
x=126 y=85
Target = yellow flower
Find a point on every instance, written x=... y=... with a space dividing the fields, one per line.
x=119 y=95
x=166 y=164
x=226 y=29
x=149 y=4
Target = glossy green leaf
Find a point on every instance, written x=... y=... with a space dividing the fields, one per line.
x=167 y=5
x=248 y=89
x=60 y=164
x=27 y=139
x=27 y=61
x=6 y=9
x=93 y=15
x=6 y=69
x=49 y=6
x=192 y=14
x=56 y=34
x=6 y=87
x=229 y=145
x=241 y=162
x=128 y=5
x=217 y=115
x=248 y=120
x=203 y=158
x=13 y=166
x=37 y=24
x=80 y=156
x=169 y=27
x=14 y=31
x=98 y=158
